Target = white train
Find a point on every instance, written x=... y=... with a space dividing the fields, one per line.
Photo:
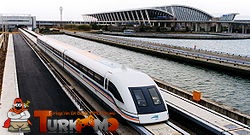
x=130 y=93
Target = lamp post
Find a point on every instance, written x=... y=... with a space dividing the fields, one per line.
x=61 y=9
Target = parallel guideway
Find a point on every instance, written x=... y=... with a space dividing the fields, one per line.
x=233 y=64
x=186 y=51
x=164 y=47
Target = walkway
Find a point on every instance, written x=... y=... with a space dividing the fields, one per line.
x=37 y=85
x=9 y=87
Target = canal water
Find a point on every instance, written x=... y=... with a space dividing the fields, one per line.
x=229 y=90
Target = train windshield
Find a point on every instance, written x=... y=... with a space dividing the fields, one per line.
x=140 y=98
x=147 y=99
x=154 y=95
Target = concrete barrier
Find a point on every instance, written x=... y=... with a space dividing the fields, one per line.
x=222 y=109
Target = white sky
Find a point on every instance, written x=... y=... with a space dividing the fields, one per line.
x=72 y=9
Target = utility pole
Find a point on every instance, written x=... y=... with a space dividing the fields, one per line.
x=61 y=9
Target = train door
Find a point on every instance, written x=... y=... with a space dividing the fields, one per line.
x=106 y=80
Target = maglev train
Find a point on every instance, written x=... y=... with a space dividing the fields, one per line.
x=130 y=93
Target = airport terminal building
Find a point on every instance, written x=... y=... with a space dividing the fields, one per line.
x=177 y=16
x=17 y=20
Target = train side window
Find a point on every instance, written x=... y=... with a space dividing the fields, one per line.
x=84 y=70
x=154 y=96
x=114 y=91
x=141 y=101
x=102 y=81
x=74 y=63
x=71 y=61
x=90 y=73
x=99 y=79
x=57 y=52
x=77 y=65
x=66 y=58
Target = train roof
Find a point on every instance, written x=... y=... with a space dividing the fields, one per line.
x=132 y=78
x=102 y=65
x=118 y=72
x=82 y=55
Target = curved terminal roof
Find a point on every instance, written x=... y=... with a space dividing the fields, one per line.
x=174 y=12
x=186 y=13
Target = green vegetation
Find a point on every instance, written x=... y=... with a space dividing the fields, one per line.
x=47 y=30
x=94 y=26
x=78 y=27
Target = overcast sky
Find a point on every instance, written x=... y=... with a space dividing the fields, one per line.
x=72 y=9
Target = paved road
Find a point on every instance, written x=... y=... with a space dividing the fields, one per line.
x=38 y=86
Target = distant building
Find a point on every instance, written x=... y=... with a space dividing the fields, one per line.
x=17 y=20
x=228 y=17
x=147 y=16
x=174 y=18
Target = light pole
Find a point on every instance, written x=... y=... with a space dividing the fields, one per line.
x=61 y=9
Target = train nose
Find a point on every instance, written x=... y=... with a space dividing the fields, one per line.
x=153 y=118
